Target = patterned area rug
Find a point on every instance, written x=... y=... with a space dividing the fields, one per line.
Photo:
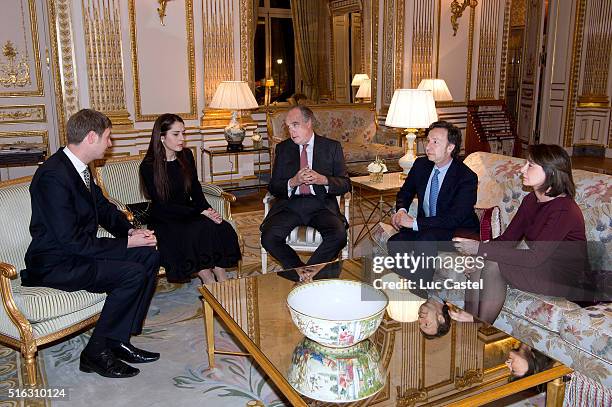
x=174 y=327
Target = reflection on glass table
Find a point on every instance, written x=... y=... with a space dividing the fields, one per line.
x=465 y=367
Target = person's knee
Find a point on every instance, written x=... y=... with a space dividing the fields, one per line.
x=337 y=236
x=271 y=237
x=134 y=274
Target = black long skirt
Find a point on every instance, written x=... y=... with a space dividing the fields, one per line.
x=189 y=246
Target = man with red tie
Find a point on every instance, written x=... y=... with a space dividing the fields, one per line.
x=309 y=172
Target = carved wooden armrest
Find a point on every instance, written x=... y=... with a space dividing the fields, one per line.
x=267 y=200
x=129 y=215
x=8 y=273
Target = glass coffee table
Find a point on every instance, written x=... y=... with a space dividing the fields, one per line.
x=396 y=366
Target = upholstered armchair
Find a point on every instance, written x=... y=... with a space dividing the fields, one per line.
x=306 y=239
x=119 y=180
x=33 y=316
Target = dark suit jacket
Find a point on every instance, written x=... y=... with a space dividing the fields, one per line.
x=456 y=200
x=65 y=219
x=327 y=159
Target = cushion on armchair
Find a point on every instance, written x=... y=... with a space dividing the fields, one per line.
x=590 y=329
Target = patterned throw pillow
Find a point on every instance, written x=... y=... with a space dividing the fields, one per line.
x=490 y=222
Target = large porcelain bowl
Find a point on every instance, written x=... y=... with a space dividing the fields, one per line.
x=337 y=313
x=336 y=375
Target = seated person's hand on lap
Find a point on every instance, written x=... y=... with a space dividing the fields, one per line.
x=141 y=237
x=311 y=177
x=402 y=219
x=460 y=315
x=213 y=215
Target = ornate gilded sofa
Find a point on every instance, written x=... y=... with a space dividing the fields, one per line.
x=354 y=125
x=33 y=316
x=580 y=338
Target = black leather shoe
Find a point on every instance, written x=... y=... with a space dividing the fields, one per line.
x=107 y=365
x=131 y=354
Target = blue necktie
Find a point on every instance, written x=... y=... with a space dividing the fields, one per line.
x=433 y=193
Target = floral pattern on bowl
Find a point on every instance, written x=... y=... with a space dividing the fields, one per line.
x=325 y=325
x=336 y=375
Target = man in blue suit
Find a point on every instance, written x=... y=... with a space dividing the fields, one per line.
x=446 y=191
x=67 y=207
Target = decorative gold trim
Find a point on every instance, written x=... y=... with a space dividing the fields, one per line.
x=374 y=57
x=192 y=114
x=602 y=101
x=217 y=32
x=43 y=134
x=422 y=41
x=457 y=11
x=23 y=114
x=504 y=51
x=40 y=90
x=247 y=63
x=161 y=10
x=468 y=79
x=487 y=50
x=470 y=377
x=400 y=9
x=69 y=94
x=388 y=54
x=597 y=52
x=575 y=72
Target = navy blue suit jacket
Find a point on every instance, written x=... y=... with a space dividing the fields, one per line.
x=65 y=219
x=456 y=199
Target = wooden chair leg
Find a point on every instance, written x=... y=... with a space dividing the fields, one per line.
x=30 y=364
x=555 y=392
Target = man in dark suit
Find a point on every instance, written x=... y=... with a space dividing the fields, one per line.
x=446 y=191
x=67 y=207
x=308 y=174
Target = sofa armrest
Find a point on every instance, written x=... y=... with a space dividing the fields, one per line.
x=129 y=215
x=8 y=273
x=219 y=199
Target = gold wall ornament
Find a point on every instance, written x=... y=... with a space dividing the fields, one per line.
x=22 y=114
x=410 y=397
x=469 y=378
x=457 y=11
x=161 y=10
x=14 y=73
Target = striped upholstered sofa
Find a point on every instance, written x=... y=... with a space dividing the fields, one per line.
x=33 y=316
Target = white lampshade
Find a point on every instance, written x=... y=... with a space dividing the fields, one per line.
x=439 y=89
x=358 y=78
x=365 y=89
x=411 y=109
x=403 y=305
x=234 y=95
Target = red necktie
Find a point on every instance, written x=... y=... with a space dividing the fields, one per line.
x=304 y=189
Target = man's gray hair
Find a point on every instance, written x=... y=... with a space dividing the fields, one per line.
x=307 y=113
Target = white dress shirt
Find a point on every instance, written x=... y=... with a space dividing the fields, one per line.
x=78 y=164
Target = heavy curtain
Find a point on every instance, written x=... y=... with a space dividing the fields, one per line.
x=307 y=26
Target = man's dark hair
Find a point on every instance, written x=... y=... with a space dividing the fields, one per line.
x=443 y=327
x=557 y=167
x=307 y=113
x=454 y=134
x=84 y=121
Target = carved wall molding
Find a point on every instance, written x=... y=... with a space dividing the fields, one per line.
x=102 y=25
x=388 y=68
x=22 y=54
x=27 y=135
x=598 y=47
x=504 y=50
x=487 y=49
x=575 y=72
x=217 y=29
x=423 y=23
x=400 y=22
x=247 y=27
x=191 y=69
x=22 y=114
x=468 y=79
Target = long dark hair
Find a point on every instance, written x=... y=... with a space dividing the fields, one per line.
x=557 y=167
x=156 y=157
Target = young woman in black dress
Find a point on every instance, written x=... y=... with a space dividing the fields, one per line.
x=192 y=237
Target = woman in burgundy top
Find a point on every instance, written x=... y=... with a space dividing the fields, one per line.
x=555 y=261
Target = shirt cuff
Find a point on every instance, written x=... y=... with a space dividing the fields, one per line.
x=415 y=226
x=289 y=190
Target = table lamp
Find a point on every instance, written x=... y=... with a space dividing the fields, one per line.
x=403 y=305
x=269 y=86
x=439 y=89
x=358 y=80
x=364 y=91
x=235 y=96
x=411 y=109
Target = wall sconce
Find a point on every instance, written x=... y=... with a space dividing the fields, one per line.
x=457 y=11
x=161 y=10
